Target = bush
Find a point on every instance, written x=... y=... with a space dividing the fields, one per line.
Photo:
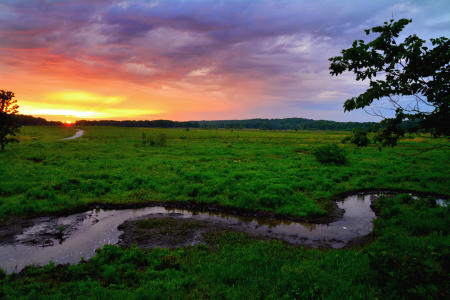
x=358 y=138
x=330 y=154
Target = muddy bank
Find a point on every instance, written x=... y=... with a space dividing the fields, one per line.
x=166 y=231
x=173 y=230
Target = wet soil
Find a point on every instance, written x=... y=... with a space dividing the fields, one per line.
x=166 y=231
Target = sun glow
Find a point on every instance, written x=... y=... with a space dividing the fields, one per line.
x=60 y=112
x=84 y=97
x=72 y=111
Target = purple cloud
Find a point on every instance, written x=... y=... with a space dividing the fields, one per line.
x=281 y=47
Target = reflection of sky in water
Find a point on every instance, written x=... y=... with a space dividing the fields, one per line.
x=442 y=202
x=93 y=229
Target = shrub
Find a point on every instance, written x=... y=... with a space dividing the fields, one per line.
x=358 y=138
x=330 y=154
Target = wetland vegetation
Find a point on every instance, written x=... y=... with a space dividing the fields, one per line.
x=407 y=259
x=272 y=172
x=254 y=170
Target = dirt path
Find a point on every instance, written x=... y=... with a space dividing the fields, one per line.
x=78 y=134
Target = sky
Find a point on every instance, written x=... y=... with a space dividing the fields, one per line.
x=192 y=60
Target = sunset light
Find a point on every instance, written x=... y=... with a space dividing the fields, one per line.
x=190 y=61
x=59 y=112
x=84 y=97
x=69 y=106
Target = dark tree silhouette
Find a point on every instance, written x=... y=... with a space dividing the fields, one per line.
x=8 y=123
x=411 y=76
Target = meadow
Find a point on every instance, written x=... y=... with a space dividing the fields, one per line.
x=407 y=255
x=253 y=169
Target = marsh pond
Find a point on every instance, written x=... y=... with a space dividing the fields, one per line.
x=72 y=238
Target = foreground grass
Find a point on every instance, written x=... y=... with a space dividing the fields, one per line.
x=408 y=259
x=258 y=170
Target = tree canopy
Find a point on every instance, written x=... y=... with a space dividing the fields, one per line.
x=8 y=123
x=412 y=76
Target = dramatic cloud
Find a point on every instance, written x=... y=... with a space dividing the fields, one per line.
x=193 y=59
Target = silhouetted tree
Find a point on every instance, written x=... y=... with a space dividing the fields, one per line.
x=8 y=123
x=412 y=77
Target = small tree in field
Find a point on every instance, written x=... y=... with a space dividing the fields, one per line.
x=8 y=123
x=410 y=76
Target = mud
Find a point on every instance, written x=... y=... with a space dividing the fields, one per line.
x=163 y=231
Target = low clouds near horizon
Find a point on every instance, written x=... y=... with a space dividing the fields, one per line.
x=191 y=60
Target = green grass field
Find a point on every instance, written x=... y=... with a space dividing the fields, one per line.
x=258 y=170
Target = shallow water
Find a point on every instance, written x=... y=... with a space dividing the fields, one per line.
x=85 y=232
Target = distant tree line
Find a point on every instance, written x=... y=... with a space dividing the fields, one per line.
x=25 y=120
x=267 y=124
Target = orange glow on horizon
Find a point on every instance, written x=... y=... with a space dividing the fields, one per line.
x=59 y=88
